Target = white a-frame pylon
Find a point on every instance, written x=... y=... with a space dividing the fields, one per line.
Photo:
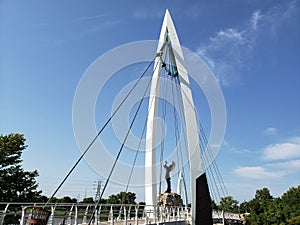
x=193 y=144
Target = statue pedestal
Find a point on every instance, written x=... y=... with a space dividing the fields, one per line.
x=169 y=199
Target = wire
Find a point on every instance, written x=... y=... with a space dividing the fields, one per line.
x=175 y=126
x=95 y=138
x=120 y=150
x=139 y=145
x=162 y=146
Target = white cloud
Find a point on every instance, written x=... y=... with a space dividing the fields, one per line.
x=256 y=172
x=229 y=35
x=277 y=16
x=242 y=151
x=227 y=52
x=291 y=166
x=295 y=140
x=283 y=151
x=270 y=131
x=287 y=156
x=256 y=17
x=230 y=49
x=235 y=188
x=271 y=171
x=208 y=60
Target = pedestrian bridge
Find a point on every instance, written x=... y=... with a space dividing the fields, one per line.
x=127 y=214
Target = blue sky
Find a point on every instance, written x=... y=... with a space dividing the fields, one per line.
x=252 y=47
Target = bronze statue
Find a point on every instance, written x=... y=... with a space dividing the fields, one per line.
x=167 y=176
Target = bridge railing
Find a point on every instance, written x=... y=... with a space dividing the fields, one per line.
x=78 y=213
x=10 y=213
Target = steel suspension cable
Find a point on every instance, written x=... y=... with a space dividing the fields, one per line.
x=100 y=131
x=171 y=72
x=175 y=125
x=209 y=158
x=209 y=152
x=138 y=149
x=144 y=129
x=182 y=116
x=141 y=137
x=216 y=175
x=162 y=146
x=120 y=151
x=200 y=139
x=214 y=164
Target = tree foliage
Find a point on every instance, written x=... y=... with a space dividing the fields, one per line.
x=88 y=200
x=291 y=202
x=122 y=198
x=16 y=185
x=67 y=199
x=228 y=204
x=265 y=209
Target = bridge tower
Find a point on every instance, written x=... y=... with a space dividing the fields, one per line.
x=193 y=142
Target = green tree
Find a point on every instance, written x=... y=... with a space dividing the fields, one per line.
x=294 y=220
x=263 y=196
x=67 y=199
x=122 y=198
x=88 y=200
x=291 y=203
x=262 y=199
x=261 y=207
x=273 y=212
x=244 y=207
x=15 y=184
x=228 y=204
x=214 y=205
x=42 y=198
x=53 y=200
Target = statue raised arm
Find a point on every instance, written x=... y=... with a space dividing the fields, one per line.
x=167 y=176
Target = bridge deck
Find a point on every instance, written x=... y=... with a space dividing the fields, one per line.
x=80 y=214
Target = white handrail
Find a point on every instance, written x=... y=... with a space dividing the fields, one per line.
x=80 y=214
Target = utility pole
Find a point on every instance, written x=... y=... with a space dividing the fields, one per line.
x=98 y=189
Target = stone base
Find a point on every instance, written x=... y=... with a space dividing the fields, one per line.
x=169 y=199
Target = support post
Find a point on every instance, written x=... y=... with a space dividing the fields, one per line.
x=136 y=215
x=52 y=215
x=193 y=142
x=76 y=215
x=84 y=220
x=125 y=216
x=112 y=215
x=23 y=218
x=69 y=220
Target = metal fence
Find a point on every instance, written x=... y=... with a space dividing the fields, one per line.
x=76 y=214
